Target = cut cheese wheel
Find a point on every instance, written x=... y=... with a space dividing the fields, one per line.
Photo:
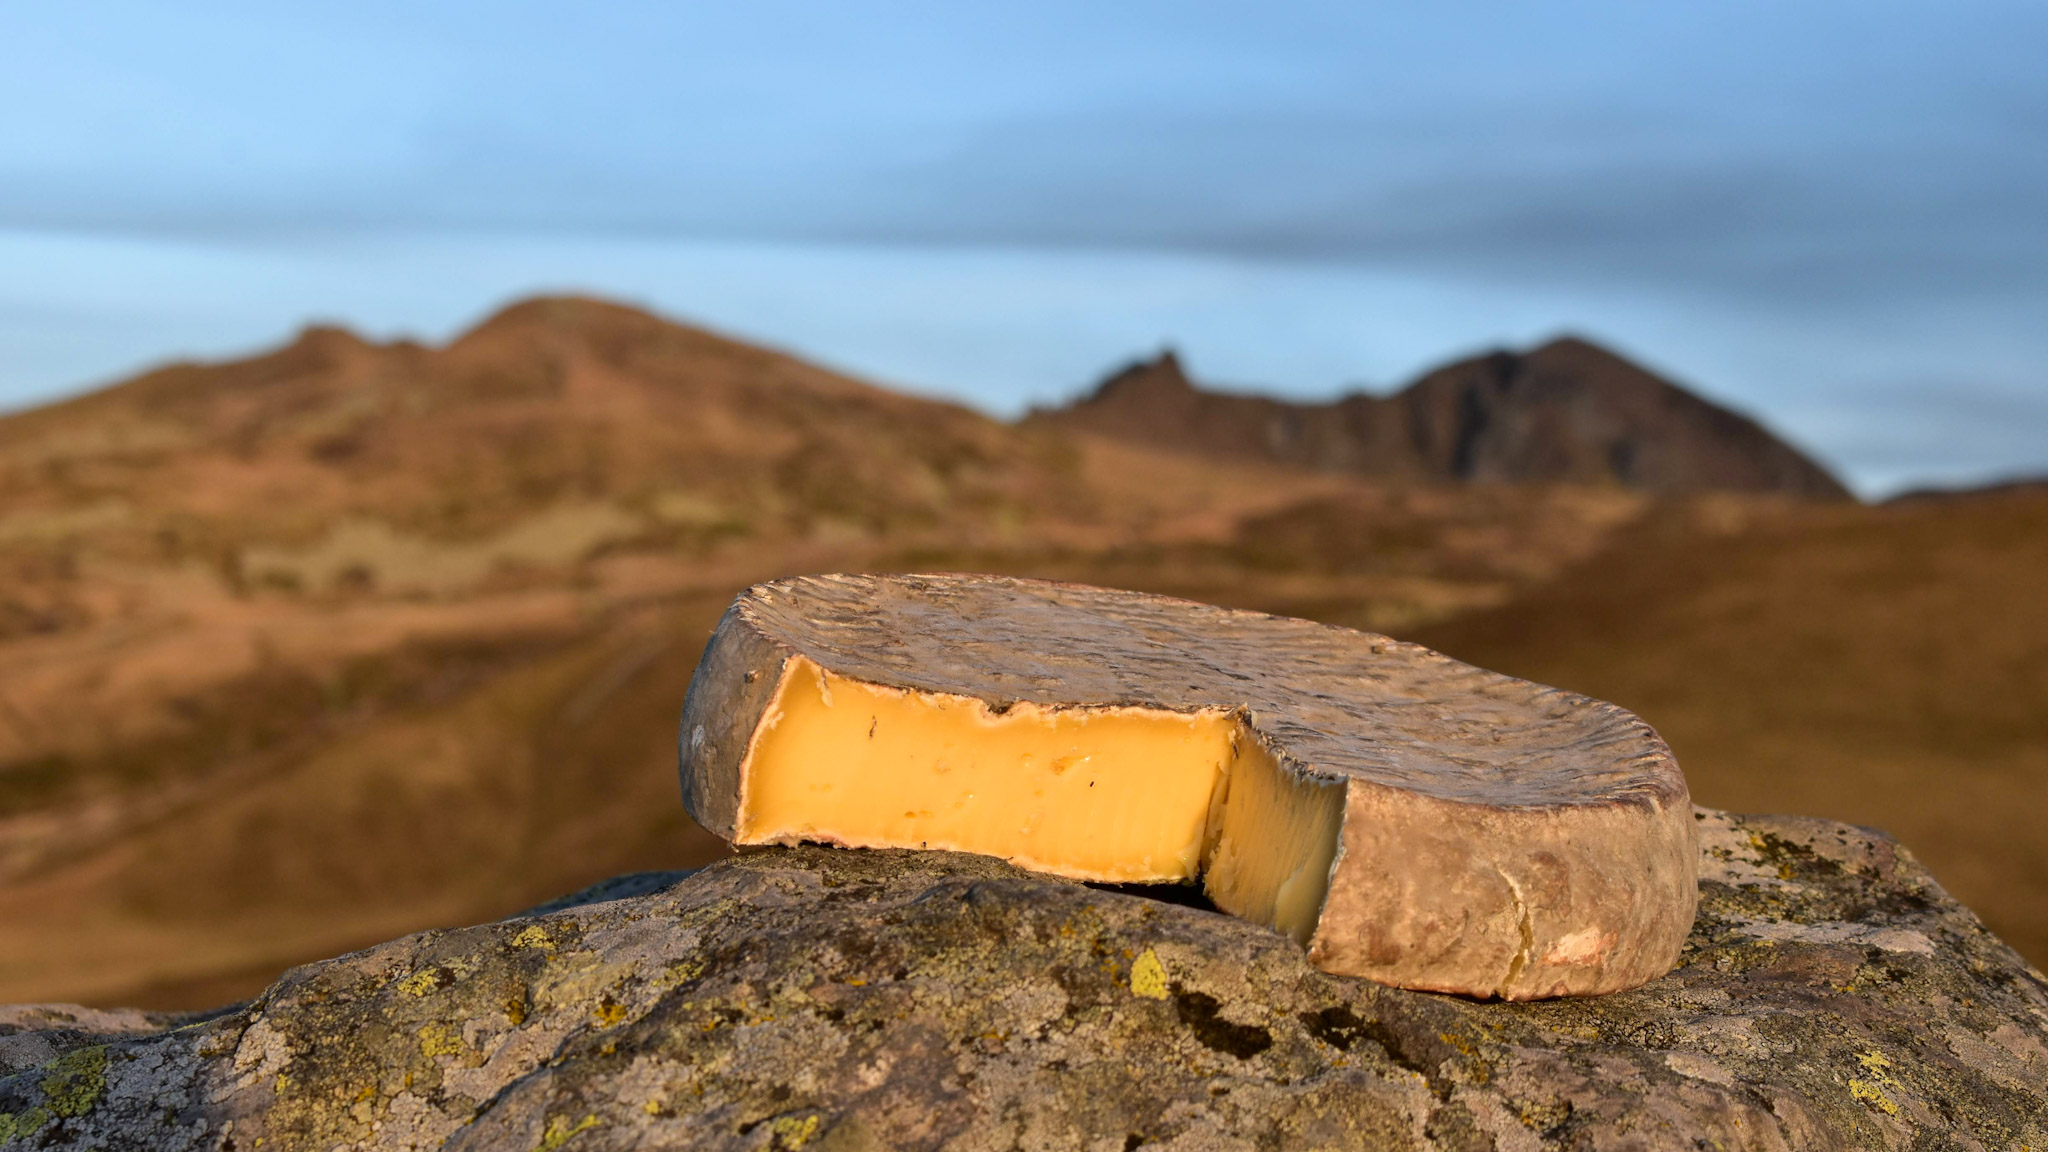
x=1407 y=818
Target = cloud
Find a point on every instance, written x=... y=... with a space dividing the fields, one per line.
x=1759 y=153
x=1643 y=200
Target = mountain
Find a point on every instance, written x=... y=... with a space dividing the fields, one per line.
x=1569 y=411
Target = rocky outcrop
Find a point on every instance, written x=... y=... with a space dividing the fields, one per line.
x=1831 y=996
x=1568 y=411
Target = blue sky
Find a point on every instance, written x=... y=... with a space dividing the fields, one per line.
x=1832 y=215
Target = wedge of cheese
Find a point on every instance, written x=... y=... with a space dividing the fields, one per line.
x=1405 y=817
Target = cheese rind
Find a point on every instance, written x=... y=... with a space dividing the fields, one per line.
x=1408 y=818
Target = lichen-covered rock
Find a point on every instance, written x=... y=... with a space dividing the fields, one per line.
x=1831 y=996
x=34 y=1034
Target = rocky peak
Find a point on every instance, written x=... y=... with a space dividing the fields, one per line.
x=1568 y=410
x=1501 y=367
x=1145 y=380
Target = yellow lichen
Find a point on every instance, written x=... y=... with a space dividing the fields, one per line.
x=440 y=1039
x=608 y=1013
x=1148 y=976
x=75 y=1081
x=1872 y=1091
x=680 y=972
x=25 y=1124
x=1874 y=1096
x=533 y=936
x=793 y=1132
x=559 y=1131
x=421 y=982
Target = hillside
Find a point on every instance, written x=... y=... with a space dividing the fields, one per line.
x=1569 y=411
x=549 y=403
x=1887 y=666
x=307 y=650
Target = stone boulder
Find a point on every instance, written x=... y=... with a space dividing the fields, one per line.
x=1831 y=996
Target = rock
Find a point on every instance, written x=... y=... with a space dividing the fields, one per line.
x=1831 y=996
x=34 y=1034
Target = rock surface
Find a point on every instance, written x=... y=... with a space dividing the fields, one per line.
x=1831 y=996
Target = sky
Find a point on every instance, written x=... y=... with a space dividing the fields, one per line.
x=1833 y=216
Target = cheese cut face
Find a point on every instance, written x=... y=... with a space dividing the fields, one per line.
x=1276 y=836
x=1125 y=795
x=1096 y=794
x=1404 y=817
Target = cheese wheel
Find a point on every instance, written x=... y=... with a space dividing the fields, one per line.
x=1407 y=818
